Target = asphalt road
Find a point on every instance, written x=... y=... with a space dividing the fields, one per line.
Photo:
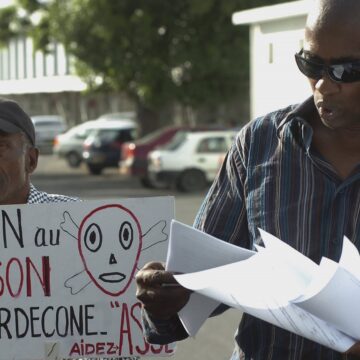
x=215 y=339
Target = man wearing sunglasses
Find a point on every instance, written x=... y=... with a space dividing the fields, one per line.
x=294 y=173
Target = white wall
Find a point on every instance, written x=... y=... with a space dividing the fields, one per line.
x=24 y=71
x=275 y=79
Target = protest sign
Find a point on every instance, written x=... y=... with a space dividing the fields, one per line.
x=67 y=270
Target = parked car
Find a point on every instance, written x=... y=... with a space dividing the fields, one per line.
x=102 y=147
x=46 y=128
x=191 y=160
x=134 y=155
x=124 y=115
x=69 y=145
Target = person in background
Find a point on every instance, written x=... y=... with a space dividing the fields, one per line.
x=294 y=173
x=19 y=158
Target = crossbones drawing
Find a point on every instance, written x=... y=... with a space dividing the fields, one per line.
x=110 y=232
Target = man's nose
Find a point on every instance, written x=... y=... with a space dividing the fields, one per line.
x=327 y=86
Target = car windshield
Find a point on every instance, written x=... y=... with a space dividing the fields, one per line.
x=81 y=133
x=126 y=115
x=109 y=135
x=212 y=145
x=176 y=141
x=46 y=123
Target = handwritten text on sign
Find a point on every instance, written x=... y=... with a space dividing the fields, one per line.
x=67 y=277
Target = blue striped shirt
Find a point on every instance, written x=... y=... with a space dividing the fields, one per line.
x=273 y=178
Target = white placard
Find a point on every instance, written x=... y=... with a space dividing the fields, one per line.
x=67 y=270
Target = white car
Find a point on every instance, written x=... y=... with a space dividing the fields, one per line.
x=46 y=128
x=191 y=160
x=124 y=115
x=70 y=145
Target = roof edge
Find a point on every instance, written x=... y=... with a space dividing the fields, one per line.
x=272 y=12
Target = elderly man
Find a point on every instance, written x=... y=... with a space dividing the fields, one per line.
x=18 y=158
x=294 y=173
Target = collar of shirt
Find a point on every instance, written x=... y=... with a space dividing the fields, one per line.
x=298 y=122
x=41 y=197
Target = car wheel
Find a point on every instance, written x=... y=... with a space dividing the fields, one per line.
x=94 y=169
x=153 y=184
x=146 y=183
x=191 y=180
x=73 y=159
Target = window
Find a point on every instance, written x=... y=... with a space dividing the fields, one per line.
x=48 y=123
x=82 y=134
x=212 y=145
x=271 y=53
x=119 y=135
x=178 y=140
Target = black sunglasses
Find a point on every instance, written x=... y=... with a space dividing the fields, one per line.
x=341 y=73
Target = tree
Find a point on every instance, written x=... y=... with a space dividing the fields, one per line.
x=156 y=51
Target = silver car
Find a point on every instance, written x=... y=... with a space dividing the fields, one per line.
x=46 y=128
x=70 y=145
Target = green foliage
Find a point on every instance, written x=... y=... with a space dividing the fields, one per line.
x=30 y=5
x=7 y=16
x=157 y=51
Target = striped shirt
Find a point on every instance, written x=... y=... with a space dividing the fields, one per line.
x=273 y=178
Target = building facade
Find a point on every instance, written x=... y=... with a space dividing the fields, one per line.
x=276 y=34
x=45 y=83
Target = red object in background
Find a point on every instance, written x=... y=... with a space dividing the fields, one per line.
x=134 y=154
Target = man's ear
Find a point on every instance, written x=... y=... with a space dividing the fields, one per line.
x=32 y=159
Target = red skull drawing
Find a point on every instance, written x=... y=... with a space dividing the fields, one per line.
x=106 y=236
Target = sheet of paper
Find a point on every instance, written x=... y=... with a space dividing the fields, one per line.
x=301 y=322
x=192 y=250
x=255 y=280
x=284 y=253
x=350 y=258
x=258 y=290
x=336 y=285
x=256 y=285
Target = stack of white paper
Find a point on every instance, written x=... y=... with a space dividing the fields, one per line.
x=276 y=284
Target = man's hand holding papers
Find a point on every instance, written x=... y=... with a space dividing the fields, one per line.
x=276 y=284
x=162 y=296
